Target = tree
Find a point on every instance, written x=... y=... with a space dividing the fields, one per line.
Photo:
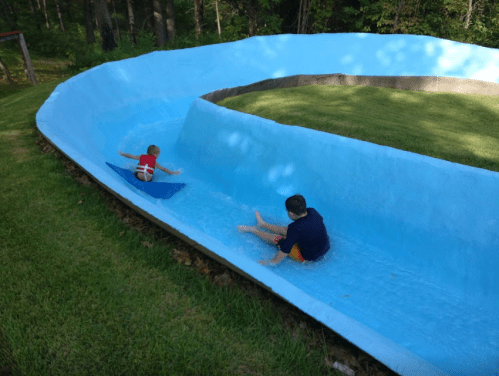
x=105 y=26
x=158 y=23
x=322 y=14
x=198 y=17
x=47 y=21
x=116 y=19
x=89 y=26
x=34 y=12
x=9 y=14
x=397 y=15
x=170 y=20
x=59 y=14
x=131 y=23
x=303 y=14
x=148 y=14
x=68 y=10
x=218 y=20
x=252 y=14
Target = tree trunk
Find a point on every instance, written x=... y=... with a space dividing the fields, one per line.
x=468 y=15
x=218 y=20
x=116 y=19
x=252 y=15
x=68 y=10
x=59 y=14
x=397 y=15
x=34 y=12
x=89 y=26
x=198 y=17
x=47 y=21
x=105 y=26
x=298 y=29
x=170 y=20
x=6 y=72
x=303 y=14
x=159 y=29
x=14 y=12
x=149 y=15
x=131 y=23
x=4 y=14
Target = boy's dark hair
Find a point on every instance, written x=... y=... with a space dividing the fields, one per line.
x=152 y=149
x=296 y=204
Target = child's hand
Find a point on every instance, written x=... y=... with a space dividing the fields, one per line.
x=120 y=153
x=176 y=172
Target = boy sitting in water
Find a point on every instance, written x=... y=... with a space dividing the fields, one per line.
x=305 y=239
x=147 y=163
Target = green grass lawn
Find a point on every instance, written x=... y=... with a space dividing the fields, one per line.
x=87 y=287
x=455 y=127
x=46 y=70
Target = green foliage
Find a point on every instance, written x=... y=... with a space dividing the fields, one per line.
x=438 y=18
x=269 y=25
x=85 y=56
x=321 y=11
x=269 y=20
x=55 y=43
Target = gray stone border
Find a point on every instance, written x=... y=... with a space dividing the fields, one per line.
x=414 y=83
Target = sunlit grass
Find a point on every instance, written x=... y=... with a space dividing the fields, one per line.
x=455 y=127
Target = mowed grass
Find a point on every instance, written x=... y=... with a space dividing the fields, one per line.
x=82 y=293
x=46 y=69
x=456 y=127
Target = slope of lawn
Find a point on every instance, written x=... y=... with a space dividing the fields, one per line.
x=456 y=127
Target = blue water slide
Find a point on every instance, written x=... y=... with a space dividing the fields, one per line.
x=412 y=277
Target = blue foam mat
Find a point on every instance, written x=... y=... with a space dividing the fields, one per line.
x=155 y=189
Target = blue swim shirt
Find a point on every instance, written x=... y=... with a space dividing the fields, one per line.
x=310 y=234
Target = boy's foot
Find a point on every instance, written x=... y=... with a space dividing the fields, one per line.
x=246 y=228
x=259 y=220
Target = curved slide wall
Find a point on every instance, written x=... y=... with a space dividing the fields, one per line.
x=412 y=278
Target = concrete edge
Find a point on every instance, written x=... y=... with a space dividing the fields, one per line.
x=413 y=83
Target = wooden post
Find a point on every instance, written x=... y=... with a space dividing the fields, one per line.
x=28 y=66
x=30 y=72
x=6 y=71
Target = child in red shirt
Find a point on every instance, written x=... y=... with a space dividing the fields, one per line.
x=147 y=163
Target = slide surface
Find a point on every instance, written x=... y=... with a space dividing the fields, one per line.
x=412 y=275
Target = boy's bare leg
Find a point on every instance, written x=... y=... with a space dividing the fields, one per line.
x=265 y=236
x=281 y=230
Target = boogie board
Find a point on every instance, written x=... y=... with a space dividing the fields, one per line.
x=155 y=189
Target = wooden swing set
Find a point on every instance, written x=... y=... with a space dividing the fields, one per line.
x=28 y=66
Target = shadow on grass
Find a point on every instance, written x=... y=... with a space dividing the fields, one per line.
x=455 y=127
x=8 y=365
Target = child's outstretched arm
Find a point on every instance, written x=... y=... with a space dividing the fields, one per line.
x=166 y=170
x=129 y=155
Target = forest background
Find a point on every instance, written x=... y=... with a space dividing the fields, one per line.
x=89 y=32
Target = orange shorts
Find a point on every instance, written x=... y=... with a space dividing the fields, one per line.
x=295 y=250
